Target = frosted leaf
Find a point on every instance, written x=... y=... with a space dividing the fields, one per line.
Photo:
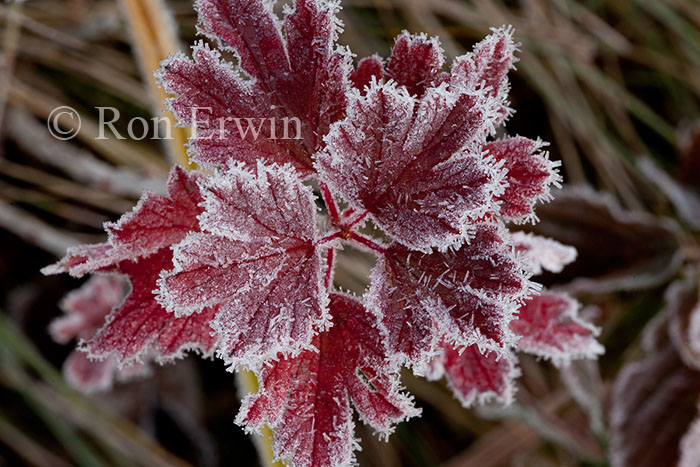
x=468 y=295
x=487 y=66
x=541 y=253
x=529 y=175
x=85 y=308
x=142 y=325
x=653 y=405
x=139 y=247
x=368 y=69
x=549 y=327
x=256 y=261
x=156 y=222
x=89 y=376
x=296 y=88
x=478 y=377
x=306 y=399
x=415 y=62
x=409 y=163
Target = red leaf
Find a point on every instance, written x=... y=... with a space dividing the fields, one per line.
x=299 y=78
x=85 y=311
x=487 y=66
x=256 y=260
x=410 y=165
x=469 y=295
x=550 y=327
x=530 y=174
x=367 y=69
x=155 y=222
x=139 y=247
x=142 y=325
x=477 y=377
x=85 y=308
x=415 y=62
x=89 y=376
x=307 y=398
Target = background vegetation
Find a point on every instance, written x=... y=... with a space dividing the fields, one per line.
x=614 y=86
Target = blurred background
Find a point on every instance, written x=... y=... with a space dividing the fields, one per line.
x=614 y=86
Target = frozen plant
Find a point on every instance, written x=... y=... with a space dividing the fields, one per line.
x=238 y=260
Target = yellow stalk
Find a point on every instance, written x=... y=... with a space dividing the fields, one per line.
x=247 y=382
x=154 y=38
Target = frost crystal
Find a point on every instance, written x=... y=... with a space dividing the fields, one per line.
x=237 y=261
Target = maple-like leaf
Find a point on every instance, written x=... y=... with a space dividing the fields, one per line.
x=277 y=105
x=529 y=176
x=156 y=222
x=141 y=324
x=256 y=260
x=415 y=166
x=415 y=62
x=139 y=247
x=549 y=327
x=475 y=376
x=487 y=67
x=307 y=398
x=468 y=296
x=85 y=310
x=368 y=69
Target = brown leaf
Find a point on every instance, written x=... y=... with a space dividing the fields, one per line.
x=617 y=249
x=683 y=305
x=653 y=405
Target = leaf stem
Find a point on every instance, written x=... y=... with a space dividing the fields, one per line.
x=368 y=242
x=329 y=237
x=329 y=268
x=330 y=203
x=353 y=222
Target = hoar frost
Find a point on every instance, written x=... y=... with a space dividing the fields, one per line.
x=237 y=261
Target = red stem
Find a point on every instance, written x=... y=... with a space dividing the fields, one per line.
x=329 y=268
x=329 y=237
x=330 y=202
x=356 y=220
x=368 y=242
